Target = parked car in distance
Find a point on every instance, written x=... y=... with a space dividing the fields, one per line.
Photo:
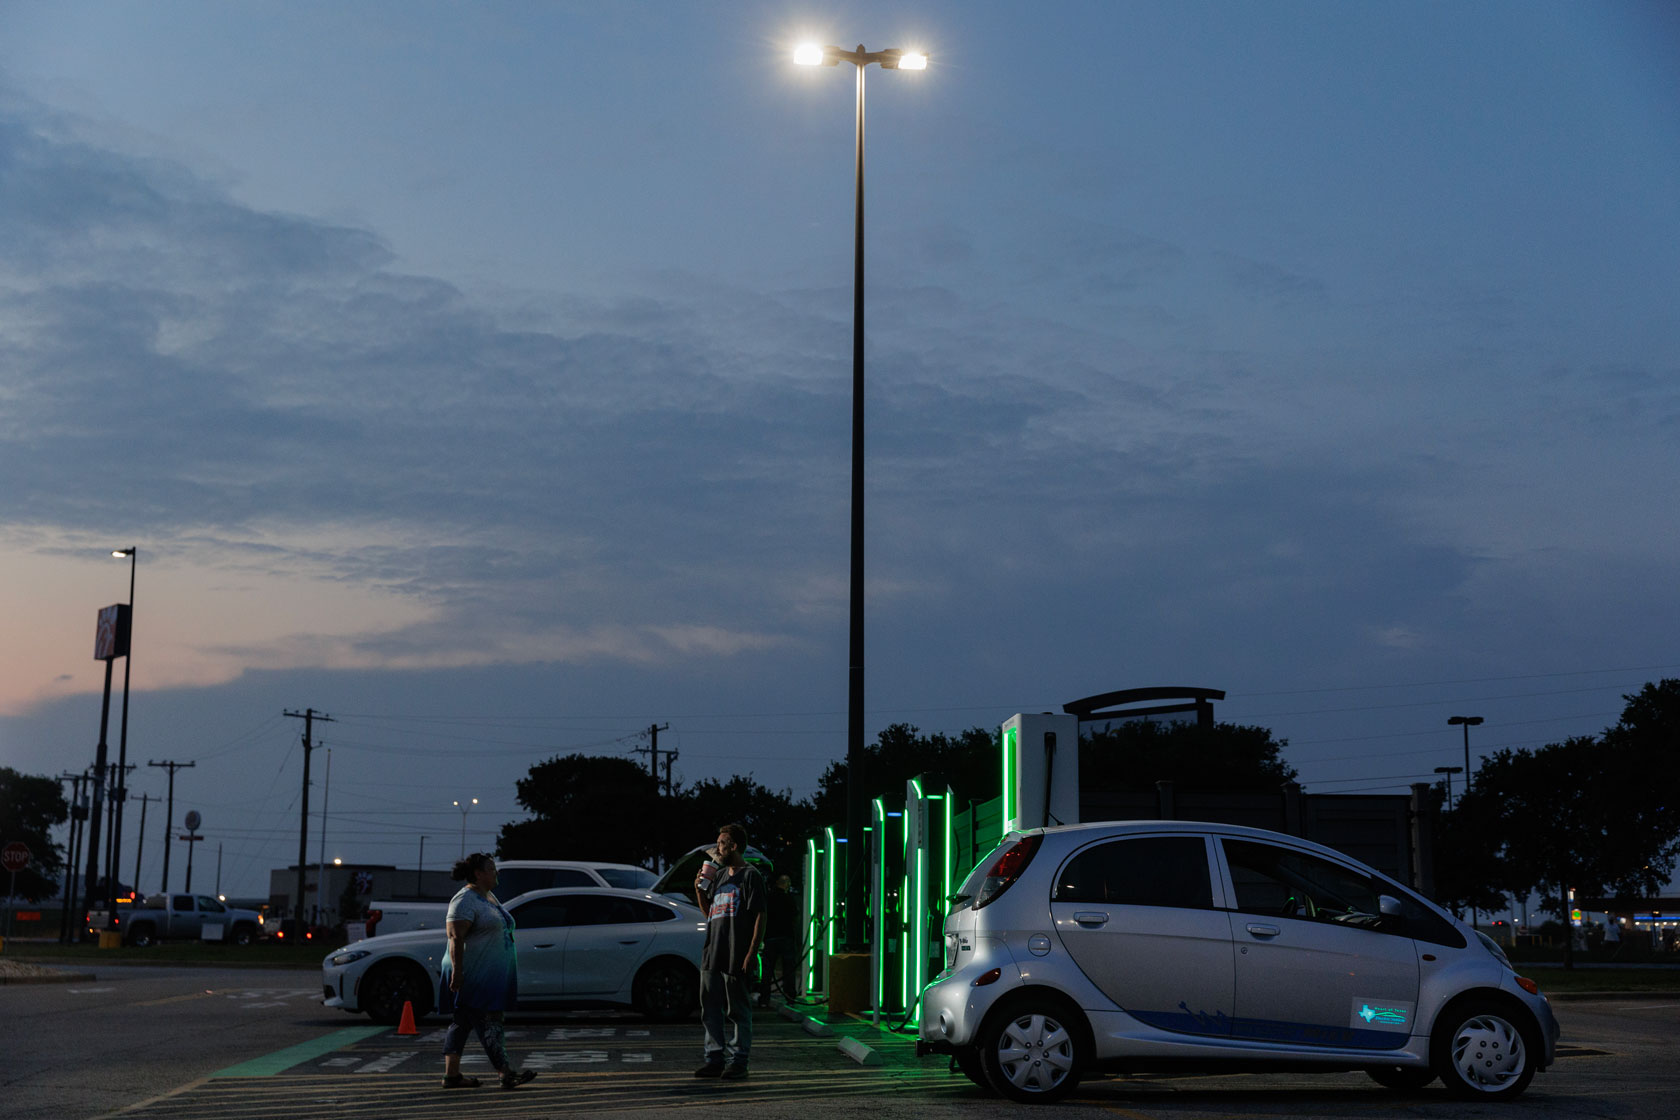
x=578 y=947
x=514 y=877
x=167 y=917
x=1140 y=945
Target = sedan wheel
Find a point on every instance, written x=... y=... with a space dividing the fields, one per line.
x=387 y=987
x=1031 y=1056
x=669 y=990
x=1483 y=1054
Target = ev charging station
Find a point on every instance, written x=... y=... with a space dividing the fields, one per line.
x=916 y=856
x=1040 y=771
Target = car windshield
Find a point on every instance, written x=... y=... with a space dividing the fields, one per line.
x=633 y=878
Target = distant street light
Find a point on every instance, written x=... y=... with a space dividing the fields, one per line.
x=1449 y=771
x=464 y=806
x=1467 y=722
x=894 y=59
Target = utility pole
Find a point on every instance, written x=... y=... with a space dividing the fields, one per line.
x=113 y=822
x=70 y=892
x=140 y=841
x=169 y=814
x=308 y=716
x=652 y=751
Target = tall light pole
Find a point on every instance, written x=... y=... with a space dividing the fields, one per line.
x=1466 y=722
x=120 y=794
x=893 y=59
x=1449 y=771
x=464 y=806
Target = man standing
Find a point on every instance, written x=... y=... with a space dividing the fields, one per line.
x=781 y=942
x=732 y=897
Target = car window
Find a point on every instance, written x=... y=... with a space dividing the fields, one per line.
x=1285 y=883
x=595 y=910
x=511 y=882
x=182 y=902
x=649 y=911
x=210 y=905
x=1140 y=871
x=540 y=913
x=632 y=878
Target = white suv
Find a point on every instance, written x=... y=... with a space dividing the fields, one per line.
x=1165 y=944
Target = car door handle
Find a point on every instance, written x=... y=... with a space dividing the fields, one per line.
x=1259 y=930
x=1090 y=917
x=548 y=945
x=632 y=941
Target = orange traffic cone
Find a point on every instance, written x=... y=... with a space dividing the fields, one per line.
x=407 y=1025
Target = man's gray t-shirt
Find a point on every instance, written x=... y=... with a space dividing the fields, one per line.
x=736 y=904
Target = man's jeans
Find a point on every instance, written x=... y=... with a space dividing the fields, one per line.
x=728 y=1019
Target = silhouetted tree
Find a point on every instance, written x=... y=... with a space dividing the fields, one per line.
x=776 y=824
x=1134 y=755
x=586 y=807
x=29 y=807
x=1601 y=815
x=968 y=762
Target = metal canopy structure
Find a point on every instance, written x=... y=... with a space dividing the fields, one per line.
x=1109 y=705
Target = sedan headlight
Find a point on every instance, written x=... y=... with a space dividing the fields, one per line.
x=353 y=955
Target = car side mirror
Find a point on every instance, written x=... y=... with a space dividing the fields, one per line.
x=1388 y=906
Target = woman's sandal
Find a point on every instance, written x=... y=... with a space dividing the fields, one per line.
x=461 y=1081
x=513 y=1078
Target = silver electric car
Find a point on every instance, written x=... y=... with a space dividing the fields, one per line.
x=1171 y=944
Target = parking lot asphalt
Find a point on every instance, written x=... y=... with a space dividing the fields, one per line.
x=183 y=1043
x=587 y=1063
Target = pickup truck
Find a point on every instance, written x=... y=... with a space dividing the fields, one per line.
x=515 y=877
x=184 y=916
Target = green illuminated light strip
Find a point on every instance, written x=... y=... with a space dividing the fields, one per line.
x=1010 y=739
x=811 y=885
x=830 y=901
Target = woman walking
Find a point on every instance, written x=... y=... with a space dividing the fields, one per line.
x=480 y=974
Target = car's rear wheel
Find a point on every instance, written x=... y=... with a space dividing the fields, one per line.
x=388 y=986
x=1483 y=1049
x=1402 y=1079
x=142 y=936
x=667 y=990
x=1033 y=1049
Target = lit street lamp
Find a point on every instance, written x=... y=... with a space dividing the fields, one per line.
x=812 y=55
x=1449 y=771
x=1466 y=722
x=464 y=806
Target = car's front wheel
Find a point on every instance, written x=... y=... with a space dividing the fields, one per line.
x=388 y=986
x=668 y=990
x=1032 y=1050
x=967 y=1059
x=1482 y=1051
x=244 y=933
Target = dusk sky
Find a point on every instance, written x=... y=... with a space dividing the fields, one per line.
x=479 y=374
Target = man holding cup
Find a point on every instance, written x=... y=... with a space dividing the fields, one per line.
x=731 y=893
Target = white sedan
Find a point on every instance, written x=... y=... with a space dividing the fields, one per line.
x=578 y=947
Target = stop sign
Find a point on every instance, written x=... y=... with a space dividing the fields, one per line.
x=14 y=856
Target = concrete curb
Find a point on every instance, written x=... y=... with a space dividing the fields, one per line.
x=816 y=1027
x=54 y=976
x=862 y=1054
